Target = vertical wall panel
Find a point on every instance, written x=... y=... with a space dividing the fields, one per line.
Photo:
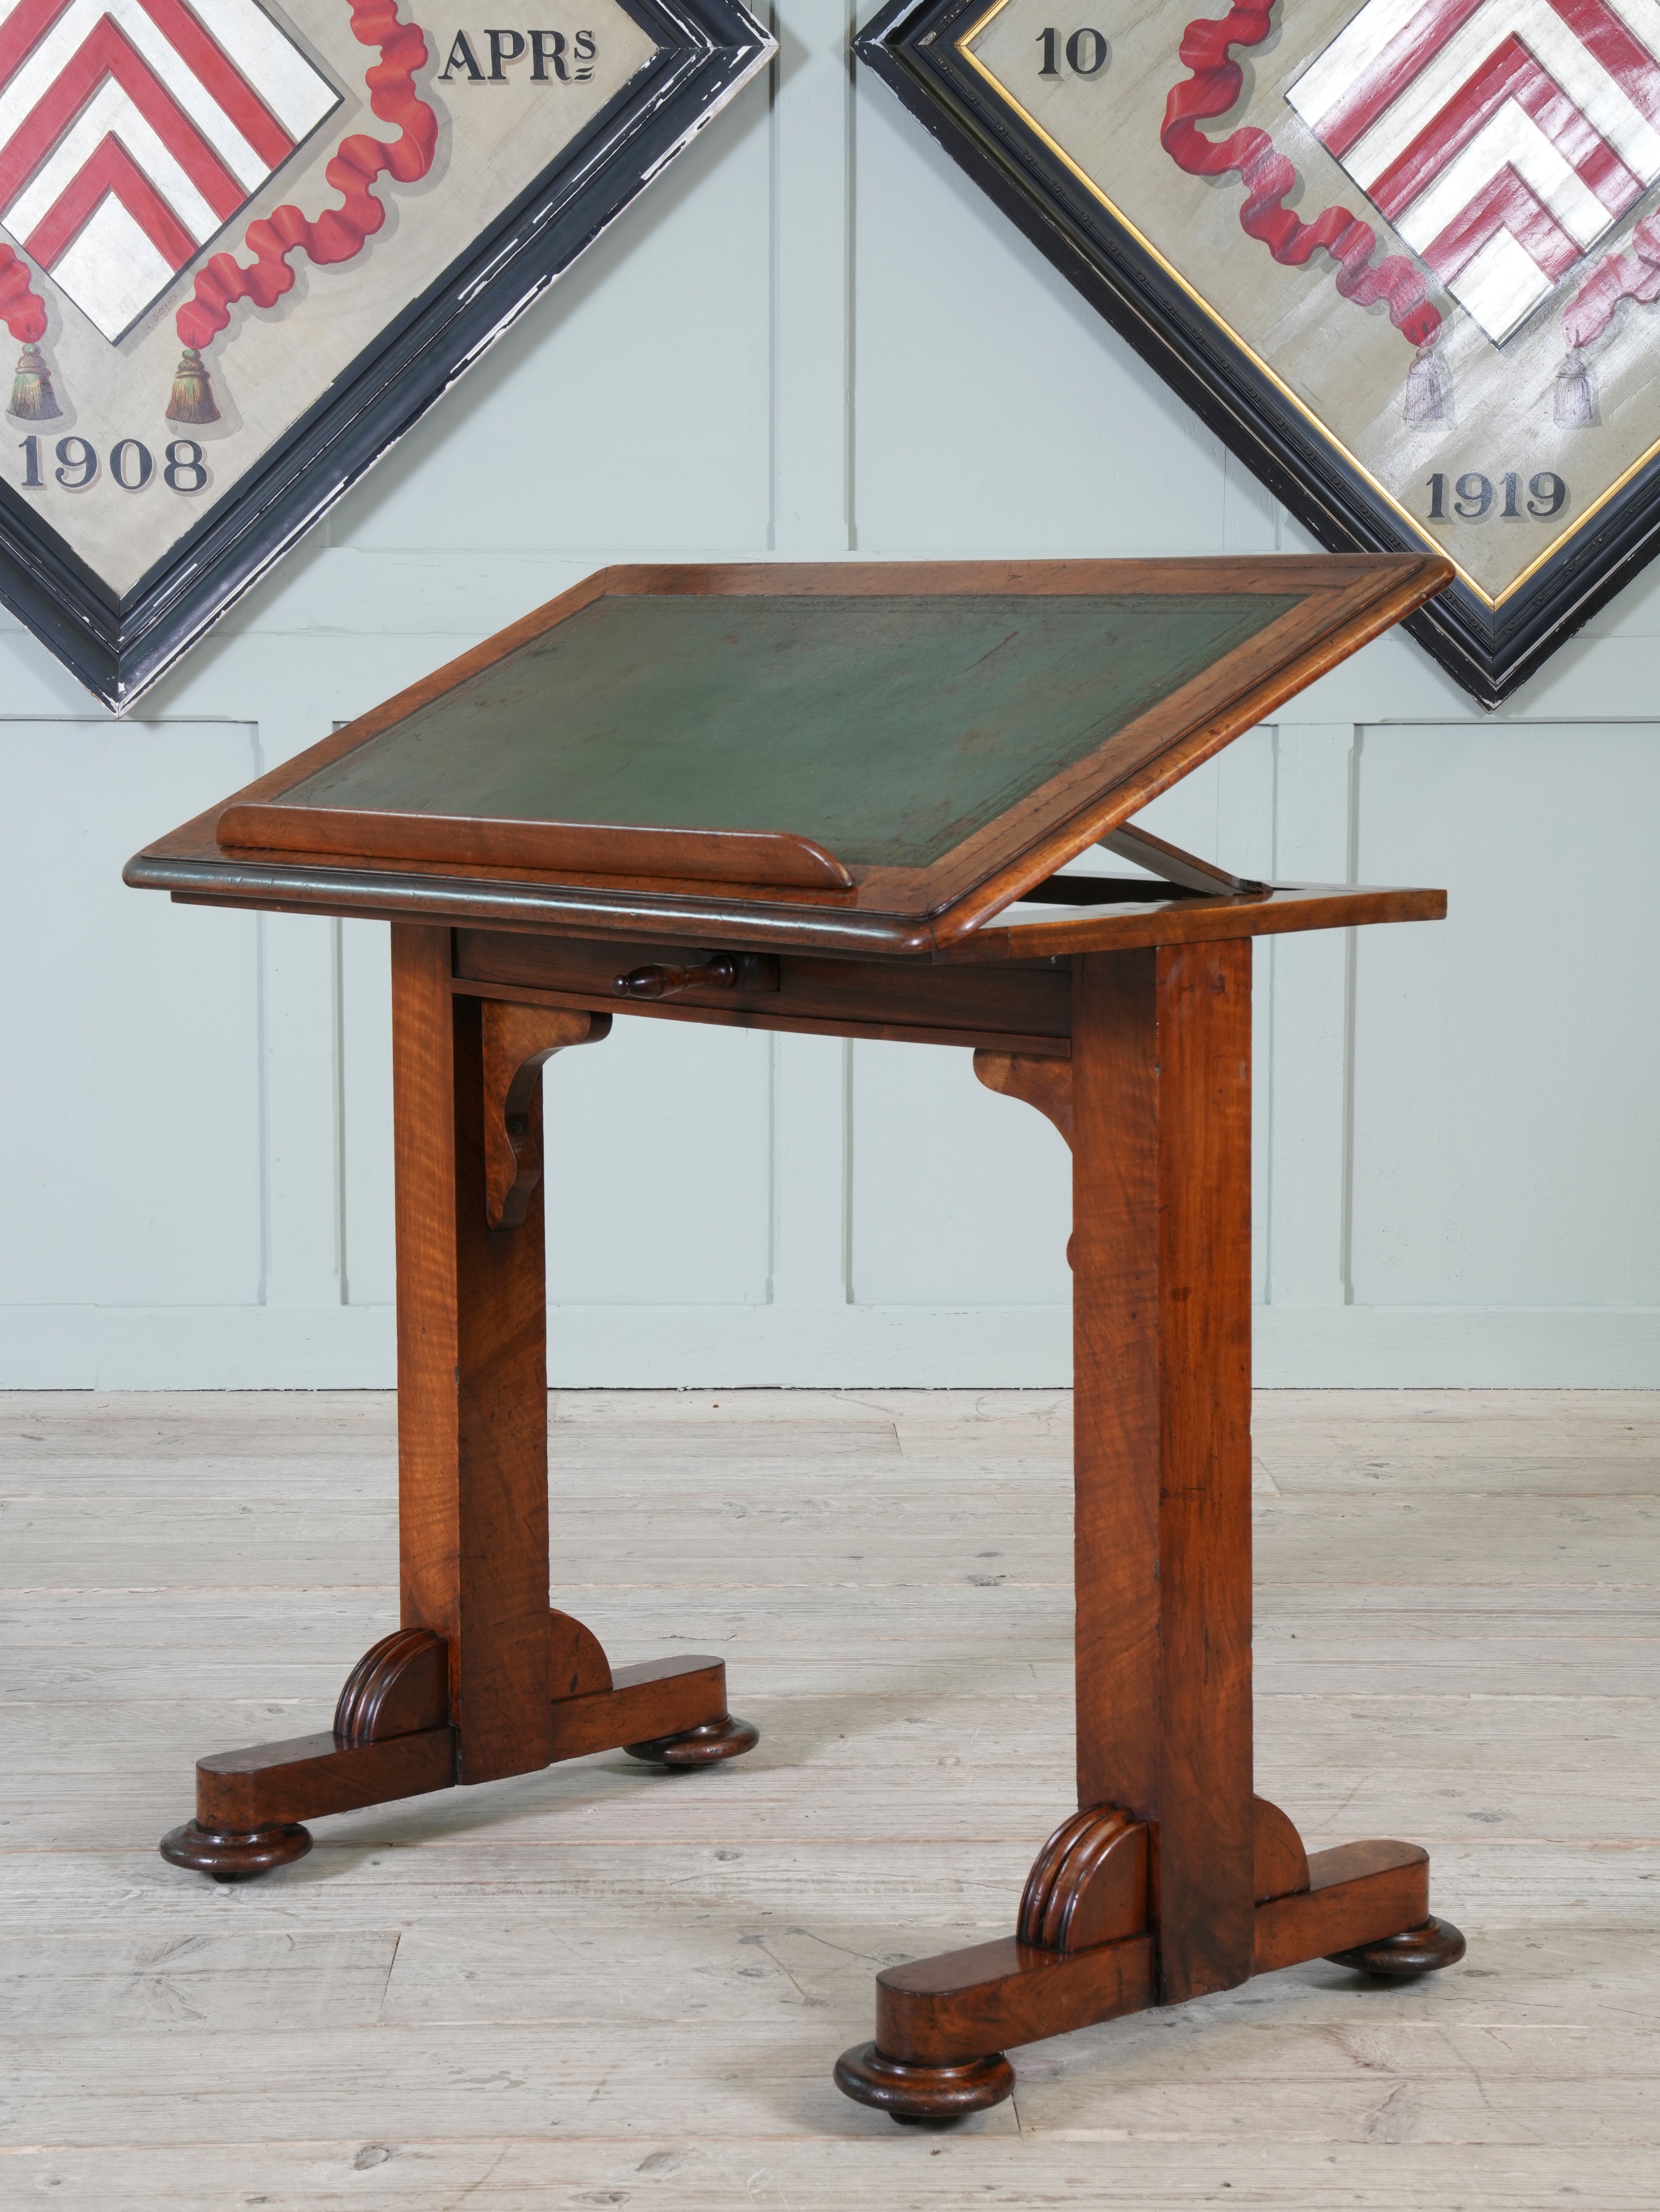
x=1506 y=1059
x=1303 y=1098
x=961 y=1197
x=656 y=1176
x=300 y=984
x=130 y=1129
x=366 y=1111
x=996 y=413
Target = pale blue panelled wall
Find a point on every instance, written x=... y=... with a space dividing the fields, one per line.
x=814 y=338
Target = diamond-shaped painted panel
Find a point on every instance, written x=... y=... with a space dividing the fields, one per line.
x=1402 y=256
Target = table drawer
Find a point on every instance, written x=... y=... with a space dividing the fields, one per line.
x=1021 y=1007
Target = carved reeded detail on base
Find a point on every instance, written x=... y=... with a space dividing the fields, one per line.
x=1281 y=1864
x=392 y=1738
x=400 y=1685
x=699 y=1747
x=1401 y=1958
x=1088 y=1884
x=577 y=1665
x=234 y=1854
x=517 y=1042
x=935 y=2094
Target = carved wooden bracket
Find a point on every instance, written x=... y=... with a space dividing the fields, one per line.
x=1088 y=1884
x=1044 y=1084
x=1281 y=1863
x=399 y=1687
x=577 y=1665
x=518 y=1041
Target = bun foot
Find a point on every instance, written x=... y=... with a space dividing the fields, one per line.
x=922 y=2096
x=698 y=1746
x=234 y=1854
x=1401 y=1958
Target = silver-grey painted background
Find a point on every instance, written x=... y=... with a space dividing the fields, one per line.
x=1456 y=1146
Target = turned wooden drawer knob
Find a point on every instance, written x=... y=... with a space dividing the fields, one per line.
x=718 y=973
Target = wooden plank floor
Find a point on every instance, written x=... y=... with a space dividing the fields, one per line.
x=604 y=1986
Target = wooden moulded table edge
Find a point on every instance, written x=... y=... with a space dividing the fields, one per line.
x=292 y=886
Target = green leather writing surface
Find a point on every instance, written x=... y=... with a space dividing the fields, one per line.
x=888 y=729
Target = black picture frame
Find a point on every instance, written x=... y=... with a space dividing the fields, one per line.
x=1490 y=651
x=119 y=646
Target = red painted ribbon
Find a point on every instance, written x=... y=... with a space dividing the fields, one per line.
x=338 y=233
x=1617 y=277
x=1211 y=89
x=23 y=310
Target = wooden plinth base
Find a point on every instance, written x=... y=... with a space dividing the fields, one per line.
x=697 y=1747
x=1402 y=1958
x=392 y=1738
x=943 y=2025
x=230 y=1855
x=924 y=2095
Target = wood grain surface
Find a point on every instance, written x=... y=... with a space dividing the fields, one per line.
x=766 y=858
x=993 y=788
x=472 y=1351
x=1161 y=1269
x=601 y=1984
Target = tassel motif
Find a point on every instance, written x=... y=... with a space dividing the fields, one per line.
x=192 y=392
x=1575 y=398
x=32 y=399
x=24 y=314
x=1428 y=396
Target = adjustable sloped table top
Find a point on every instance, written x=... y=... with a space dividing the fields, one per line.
x=840 y=757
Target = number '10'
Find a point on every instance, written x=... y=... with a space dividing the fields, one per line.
x=1473 y=496
x=1086 y=52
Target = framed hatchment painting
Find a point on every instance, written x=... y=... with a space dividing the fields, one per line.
x=244 y=246
x=1403 y=256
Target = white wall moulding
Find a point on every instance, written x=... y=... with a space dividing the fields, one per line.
x=1398 y=260
x=115 y=1190
x=216 y=347
x=230 y=1223
x=1457 y=1181
x=1458 y=1347
x=869 y=1347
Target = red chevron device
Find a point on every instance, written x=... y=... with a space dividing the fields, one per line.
x=1502 y=138
x=132 y=131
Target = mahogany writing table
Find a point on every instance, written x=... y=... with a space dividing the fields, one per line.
x=833 y=799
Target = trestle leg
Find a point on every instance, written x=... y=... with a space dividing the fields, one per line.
x=392 y=1738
